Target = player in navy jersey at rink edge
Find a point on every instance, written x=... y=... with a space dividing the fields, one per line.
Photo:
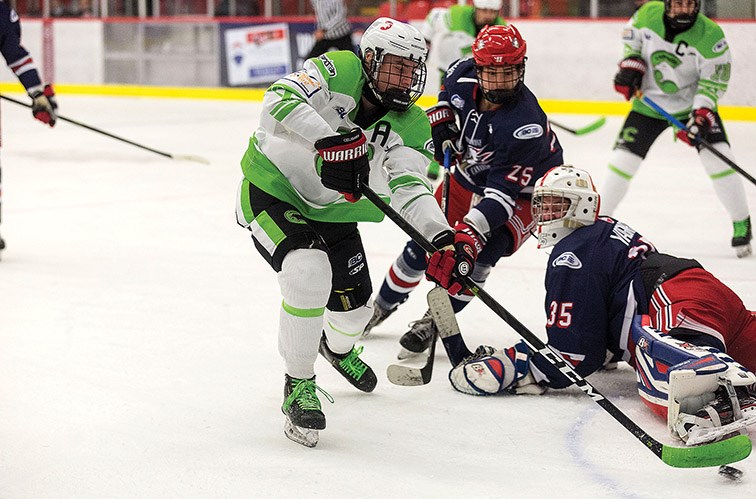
x=610 y=296
x=502 y=144
x=22 y=65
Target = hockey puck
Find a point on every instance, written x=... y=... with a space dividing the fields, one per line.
x=730 y=473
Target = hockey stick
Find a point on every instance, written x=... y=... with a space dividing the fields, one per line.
x=700 y=140
x=591 y=127
x=712 y=454
x=448 y=331
x=182 y=157
x=411 y=376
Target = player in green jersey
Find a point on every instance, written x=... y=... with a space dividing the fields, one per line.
x=680 y=59
x=451 y=31
x=341 y=122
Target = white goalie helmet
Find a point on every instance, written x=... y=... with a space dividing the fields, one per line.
x=563 y=200
x=388 y=36
x=488 y=4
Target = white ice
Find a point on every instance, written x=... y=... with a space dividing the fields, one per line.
x=138 y=351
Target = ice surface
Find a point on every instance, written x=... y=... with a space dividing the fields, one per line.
x=138 y=353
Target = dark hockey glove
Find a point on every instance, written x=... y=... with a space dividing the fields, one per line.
x=345 y=166
x=700 y=125
x=454 y=259
x=44 y=105
x=628 y=79
x=444 y=131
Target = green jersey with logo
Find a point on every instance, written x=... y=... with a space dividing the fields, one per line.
x=688 y=71
x=322 y=100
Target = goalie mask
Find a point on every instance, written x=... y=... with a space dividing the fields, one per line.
x=499 y=53
x=563 y=200
x=393 y=57
x=681 y=14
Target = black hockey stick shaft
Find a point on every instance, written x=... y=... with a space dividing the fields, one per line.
x=583 y=130
x=427 y=369
x=112 y=136
x=700 y=140
x=714 y=454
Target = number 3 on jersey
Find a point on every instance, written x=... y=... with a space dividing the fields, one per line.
x=521 y=175
x=559 y=314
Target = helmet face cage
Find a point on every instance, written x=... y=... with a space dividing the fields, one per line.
x=391 y=76
x=393 y=56
x=681 y=21
x=563 y=200
x=501 y=83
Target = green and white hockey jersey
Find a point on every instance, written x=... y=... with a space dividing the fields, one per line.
x=690 y=71
x=321 y=100
x=451 y=32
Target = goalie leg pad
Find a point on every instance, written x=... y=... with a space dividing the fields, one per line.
x=491 y=371
x=676 y=377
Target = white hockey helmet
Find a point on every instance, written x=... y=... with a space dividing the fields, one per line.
x=563 y=200
x=488 y=4
x=388 y=36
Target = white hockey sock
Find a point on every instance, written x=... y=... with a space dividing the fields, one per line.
x=727 y=182
x=305 y=281
x=622 y=167
x=343 y=329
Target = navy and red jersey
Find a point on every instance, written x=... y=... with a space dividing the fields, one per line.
x=18 y=59
x=594 y=288
x=505 y=150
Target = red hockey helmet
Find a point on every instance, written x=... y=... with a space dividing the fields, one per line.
x=499 y=46
x=499 y=53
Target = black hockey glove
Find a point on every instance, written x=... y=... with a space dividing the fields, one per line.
x=701 y=124
x=444 y=131
x=454 y=259
x=44 y=105
x=629 y=78
x=345 y=166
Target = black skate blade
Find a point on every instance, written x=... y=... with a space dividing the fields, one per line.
x=302 y=436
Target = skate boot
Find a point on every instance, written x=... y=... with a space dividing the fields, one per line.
x=380 y=314
x=418 y=338
x=728 y=413
x=741 y=237
x=350 y=366
x=302 y=409
x=2 y=246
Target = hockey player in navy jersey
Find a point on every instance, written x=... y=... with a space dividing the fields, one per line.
x=502 y=143
x=610 y=296
x=21 y=63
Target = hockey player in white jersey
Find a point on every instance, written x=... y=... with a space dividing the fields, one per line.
x=342 y=122
x=451 y=31
x=680 y=59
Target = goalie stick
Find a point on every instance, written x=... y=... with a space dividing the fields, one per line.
x=182 y=157
x=711 y=454
x=591 y=127
x=447 y=329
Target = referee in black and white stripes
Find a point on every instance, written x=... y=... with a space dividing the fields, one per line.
x=333 y=29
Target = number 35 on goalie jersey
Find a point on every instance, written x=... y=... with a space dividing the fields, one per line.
x=593 y=289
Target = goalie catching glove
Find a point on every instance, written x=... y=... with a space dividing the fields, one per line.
x=490 y=371
x=455 y=258
x=44 y=105
x=345 y=164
